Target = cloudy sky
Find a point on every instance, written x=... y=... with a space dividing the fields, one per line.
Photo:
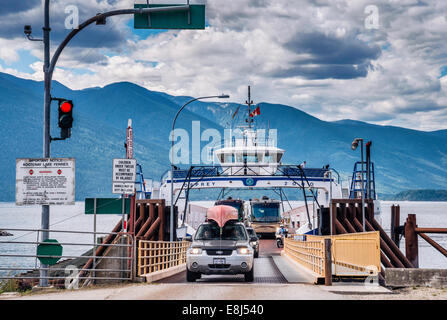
x=334 y=59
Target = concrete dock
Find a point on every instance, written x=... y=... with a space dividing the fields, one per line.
x=276 y=277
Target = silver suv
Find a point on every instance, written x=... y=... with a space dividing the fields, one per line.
x=220 y=251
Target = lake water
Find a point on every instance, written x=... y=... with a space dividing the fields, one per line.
x=63 y=218
x=429 y=214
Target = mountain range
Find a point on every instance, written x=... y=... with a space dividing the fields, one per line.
x=404 y=158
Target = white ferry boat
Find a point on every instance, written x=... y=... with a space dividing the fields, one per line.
x=253 y=161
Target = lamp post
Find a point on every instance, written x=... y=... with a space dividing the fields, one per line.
x=222 y=96
x=326 y=175
x=354 y=146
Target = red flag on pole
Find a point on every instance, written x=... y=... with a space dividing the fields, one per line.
x=255 y=112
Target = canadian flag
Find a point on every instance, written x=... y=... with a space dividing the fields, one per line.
x=255 y=112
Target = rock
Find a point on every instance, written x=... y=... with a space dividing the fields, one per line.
x=5 y=234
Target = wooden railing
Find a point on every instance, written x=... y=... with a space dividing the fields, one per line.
x=411 y=231
x=156 y=256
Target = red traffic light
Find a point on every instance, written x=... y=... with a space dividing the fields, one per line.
x=66 y=107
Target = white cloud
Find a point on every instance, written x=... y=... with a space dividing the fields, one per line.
x=246 y=43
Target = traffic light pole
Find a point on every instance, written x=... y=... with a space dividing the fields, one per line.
x=48 y=69
x=45 y=219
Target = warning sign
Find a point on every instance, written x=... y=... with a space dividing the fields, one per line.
x=45 y=181
x=123 y=188
x=124 y=176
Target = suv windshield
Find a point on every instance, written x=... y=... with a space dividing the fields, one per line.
x=211 y=231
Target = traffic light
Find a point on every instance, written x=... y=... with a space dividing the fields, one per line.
x=65 y=118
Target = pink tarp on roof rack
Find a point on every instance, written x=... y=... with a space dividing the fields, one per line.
x=222 y=214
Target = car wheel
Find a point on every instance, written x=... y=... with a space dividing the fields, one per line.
x=191 y=276
x=250 y=276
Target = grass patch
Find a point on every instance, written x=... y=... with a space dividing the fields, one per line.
x=14 y=285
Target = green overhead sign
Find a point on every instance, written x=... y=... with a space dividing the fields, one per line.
x=194 y=18
x=107 y=205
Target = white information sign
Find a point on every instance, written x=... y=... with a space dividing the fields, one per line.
x=45 y=181
x=123 y=188
x=124 y=176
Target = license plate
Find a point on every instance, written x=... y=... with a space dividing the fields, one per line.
x=219 y=260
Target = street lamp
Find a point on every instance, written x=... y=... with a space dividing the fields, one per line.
x=222 y=96
x=354 y=146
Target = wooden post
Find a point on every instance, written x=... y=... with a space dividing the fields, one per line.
x=333 y=216
x=327 y=263
x=161 y=215
x=411 y=240
x=395 y=222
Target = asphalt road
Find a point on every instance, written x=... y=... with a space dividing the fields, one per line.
x=266 y=270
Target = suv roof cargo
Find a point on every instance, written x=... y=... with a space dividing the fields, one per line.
x=221 y=214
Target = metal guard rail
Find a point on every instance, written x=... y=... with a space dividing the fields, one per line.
x=354 y=254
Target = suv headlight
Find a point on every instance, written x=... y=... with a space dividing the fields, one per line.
x=243 y=250
x=195 y=251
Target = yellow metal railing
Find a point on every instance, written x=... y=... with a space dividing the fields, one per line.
x=309 y=253
x=353 y=254
x=155 y=256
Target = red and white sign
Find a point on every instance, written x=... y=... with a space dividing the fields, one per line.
x=129 y=140
x=45 y=181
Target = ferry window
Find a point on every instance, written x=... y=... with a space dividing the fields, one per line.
x=268 y=158
x=229 y=158
x=251 y=158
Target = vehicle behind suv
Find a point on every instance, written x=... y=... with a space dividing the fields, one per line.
x=254 y=243
x=220 y=250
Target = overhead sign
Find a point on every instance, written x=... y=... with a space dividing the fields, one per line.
x=107 y=205
x=194 y=18
x=124 y=176
x=45 y=181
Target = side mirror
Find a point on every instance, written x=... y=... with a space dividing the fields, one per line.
x=254 y=239
x=188 y=238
